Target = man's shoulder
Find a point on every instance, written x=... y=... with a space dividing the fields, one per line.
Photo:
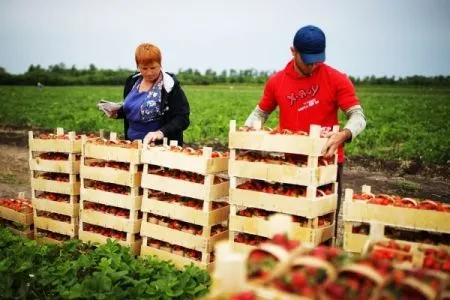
x=331 y=71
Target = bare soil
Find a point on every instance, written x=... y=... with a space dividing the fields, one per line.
x=405 y=178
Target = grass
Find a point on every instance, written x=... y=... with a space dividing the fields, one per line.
x=9 y=177
x=403 y=122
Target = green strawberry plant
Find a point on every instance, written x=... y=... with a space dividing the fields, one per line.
x=79 y=270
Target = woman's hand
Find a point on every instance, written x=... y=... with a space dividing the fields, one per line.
x=109 y=108
x=334 y=141
x=152 y=137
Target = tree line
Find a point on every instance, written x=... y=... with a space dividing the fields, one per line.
x=60 y=75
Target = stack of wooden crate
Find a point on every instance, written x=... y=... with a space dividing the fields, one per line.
x=185 y=203
x=111 y=196
x=420 y=223
x=55 y=184
x=17 y=215
x=280 y=172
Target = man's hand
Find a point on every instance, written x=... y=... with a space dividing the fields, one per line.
x=152 y=137
x=334 y=141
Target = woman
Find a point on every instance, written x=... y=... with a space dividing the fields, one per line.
x=154 y=104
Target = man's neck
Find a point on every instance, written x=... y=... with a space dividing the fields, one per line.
x=299 y=71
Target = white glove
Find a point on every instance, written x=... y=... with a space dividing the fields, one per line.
x=109 y=108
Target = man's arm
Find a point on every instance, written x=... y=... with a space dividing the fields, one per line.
x=265 y=107
x=257 y=115
x=356 y=121
x=355 y=125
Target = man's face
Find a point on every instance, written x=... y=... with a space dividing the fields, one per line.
x=150 y=71
x=305 y=70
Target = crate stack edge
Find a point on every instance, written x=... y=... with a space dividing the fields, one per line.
x=181 y=217
x=20 y=221
x=55 y=185
x=311 y=176
x=360 y=217
x=110 y=198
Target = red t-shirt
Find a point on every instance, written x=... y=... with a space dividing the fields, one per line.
x=309 y=100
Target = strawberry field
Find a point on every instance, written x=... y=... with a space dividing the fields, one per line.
x=403 y=122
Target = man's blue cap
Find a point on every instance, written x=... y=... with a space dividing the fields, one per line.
x=309 y=41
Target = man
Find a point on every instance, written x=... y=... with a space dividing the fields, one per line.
x=307 y=92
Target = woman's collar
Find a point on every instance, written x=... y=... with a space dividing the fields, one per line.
x=168 y=81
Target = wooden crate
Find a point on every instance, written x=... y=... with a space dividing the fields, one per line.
x=178 y=260
x=207 y=191
x=282 y=173
x=360 y=211
x=132 y=201
x=87 y=236
x=69 y=229
x=24 y=230
x=71 y=145
x=70 y=188
x=205 y=217
x=309 y=206
x=15 y=216
x=356 y=242
x=132 y=224
x=130 y=178
x=261 y=140
x=262 y=227
x=63 y=208
x=111 y=152
x=203 y=243
x=353 y=242
x=70 y=166
x=202 y=164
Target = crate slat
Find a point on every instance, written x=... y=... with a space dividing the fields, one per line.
x=283 y=173
x=69 y=188
x=63 y=208
x=359 y=211
x=162 y=156
x=114 y=153
x=185 y=188
x=178 y=260
x=87 y=236
x=178 y=237
x=263 y=141
x=15 y=216
x=299 y=206
x=132 y=201
x=57 y=166
x=184 y=213
x=69 y=229
x=110 y=221
x=111 y=175
x=262 y=227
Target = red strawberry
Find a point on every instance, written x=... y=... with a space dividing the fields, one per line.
x=279 y=239
x=298 y=280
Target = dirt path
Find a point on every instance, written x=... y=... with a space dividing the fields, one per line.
x=406 y=179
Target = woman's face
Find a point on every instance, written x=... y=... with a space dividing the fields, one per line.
x=150 y=72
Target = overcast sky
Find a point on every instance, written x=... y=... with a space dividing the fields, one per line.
x=376 y=37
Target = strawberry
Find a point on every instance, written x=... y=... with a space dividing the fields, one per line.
x=280 y=239
x=298 y=280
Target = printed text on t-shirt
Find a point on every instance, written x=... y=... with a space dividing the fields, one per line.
x=303 y=93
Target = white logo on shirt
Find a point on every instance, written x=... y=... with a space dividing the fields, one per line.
x=308 y=104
